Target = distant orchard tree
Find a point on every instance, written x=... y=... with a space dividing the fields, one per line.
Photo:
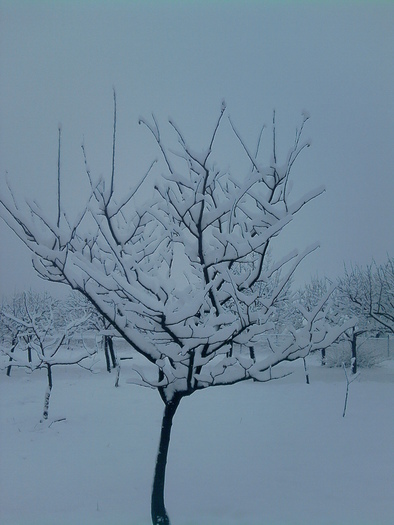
x=177 y=274
x=11 y=331
x=308 y=296
x=338 y=310
x=41 y=331
x=368 y=294
x=284 y=303
x=96 y=324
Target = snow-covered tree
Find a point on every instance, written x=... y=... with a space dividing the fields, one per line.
x=365 y=294
x=369 y=292
x=308 y=297
x=41 y=331
x=384 y=310
x=338 y=309
x=176 y=275
x=96 y=324
x=11 y=331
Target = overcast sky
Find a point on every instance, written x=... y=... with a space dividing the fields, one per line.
x=59 y=61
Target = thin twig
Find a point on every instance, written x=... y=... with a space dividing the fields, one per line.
x=113 y=148
x=58 y=178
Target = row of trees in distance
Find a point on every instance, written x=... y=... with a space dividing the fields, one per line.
x=38 y=331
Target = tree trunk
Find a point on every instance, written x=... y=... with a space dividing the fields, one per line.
x=107 y=361
x=323 y=356
x=14 y=343
x=354 y=354
x=117 y=374
x=9 y=366
x=158 y=510
x=306 y=371
x=47 y=393
x=27 y=340
x=112 y=351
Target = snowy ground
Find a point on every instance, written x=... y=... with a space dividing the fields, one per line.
x=278 y=453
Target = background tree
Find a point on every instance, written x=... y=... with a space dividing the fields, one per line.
x=307 y=297
x=338 y=310
x=96 y=325
x=42 y=330
x=176 y=276
x=11 y=331
x=384 y=311
x=368 y=294
x=262 y=289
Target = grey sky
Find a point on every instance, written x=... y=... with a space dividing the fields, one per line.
x=60 y=60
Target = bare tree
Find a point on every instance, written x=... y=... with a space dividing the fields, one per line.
x=339 y=309
x=40 y=330
x=370 y=292
x=308 y=296
x=11 y=331
x=176 y=276
x=96 y=324
x=383 y=309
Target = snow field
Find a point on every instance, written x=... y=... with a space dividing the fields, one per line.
x=277 y=453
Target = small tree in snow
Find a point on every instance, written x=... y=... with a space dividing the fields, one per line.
x=11 y=331
x=369 y=292
x=177 y=275
x=42 y=330
x=338 y=310
x=305 y=300
x=96 y=324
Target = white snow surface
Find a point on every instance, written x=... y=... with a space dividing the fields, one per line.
x=276 y=453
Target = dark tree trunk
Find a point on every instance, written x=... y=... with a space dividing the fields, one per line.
x=106 y=352
x=158 y=510
x=9 y=366
x=323 y=356
x=48 y=392
x=112 y=351
x=117 y=374
x=27 y=340
x=14 y=343
x=252 y=353
x=306 y=371
x=354 y=354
